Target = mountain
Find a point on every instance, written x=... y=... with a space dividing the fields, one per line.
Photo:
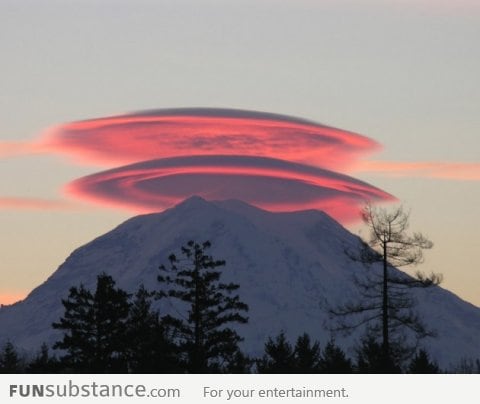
x=290 y=267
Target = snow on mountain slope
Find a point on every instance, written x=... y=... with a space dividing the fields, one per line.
x=290 y=267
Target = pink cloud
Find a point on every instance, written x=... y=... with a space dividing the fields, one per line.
x=157 y=134
x=272 y=184
x=18 y=203
x=11 y=149
x=455 y=171
x=273 y=161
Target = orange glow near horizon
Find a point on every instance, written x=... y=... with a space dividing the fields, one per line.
x=424 y=169
x=7 y=298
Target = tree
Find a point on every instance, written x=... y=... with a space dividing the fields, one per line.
x=334 y=360
x=422 y=364
x=238 y=363
x=79 y=330
x=370 y=357
x=306 y=355
x=466 y=366
x=94 y=328
x=385 y=300
x=204 y=338
x=150 y=348
x=43 y=362
x=279 y=356
x=10 y=362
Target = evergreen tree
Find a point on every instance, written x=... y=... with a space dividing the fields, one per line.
x=371 y=359
x=94 y=328
x=238 y=363
x=386 y=303
x=44 y=363
x=279 y=356
x=10 y=361
x=306 y=355
x=334 y=360
x=150 y=345
x=421 y=363
x=78 y=324
x=467 y=366
x=204 y=339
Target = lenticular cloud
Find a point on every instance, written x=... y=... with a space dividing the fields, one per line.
x=158 y=158
x=131 y=138
x=272 y=184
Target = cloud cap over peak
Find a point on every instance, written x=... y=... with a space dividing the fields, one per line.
x=268 y=183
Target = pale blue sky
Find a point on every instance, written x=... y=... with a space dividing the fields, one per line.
x=404 y=73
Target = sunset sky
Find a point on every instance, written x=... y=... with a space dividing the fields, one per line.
x=399 y=78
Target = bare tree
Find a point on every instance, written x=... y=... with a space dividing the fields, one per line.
x=386 y=301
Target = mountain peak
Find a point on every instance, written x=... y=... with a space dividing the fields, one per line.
x=193 y=200
x=290 y=266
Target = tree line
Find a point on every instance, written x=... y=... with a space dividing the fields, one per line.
x=109 y=330
x=280 y=356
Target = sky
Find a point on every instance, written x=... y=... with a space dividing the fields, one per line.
x=401 y=73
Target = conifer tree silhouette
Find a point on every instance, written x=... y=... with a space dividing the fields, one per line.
x=203 y=334
x=94 y=326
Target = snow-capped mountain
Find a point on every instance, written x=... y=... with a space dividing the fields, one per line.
x=290 y=266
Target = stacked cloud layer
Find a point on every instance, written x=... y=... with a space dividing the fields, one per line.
x=272 y=161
